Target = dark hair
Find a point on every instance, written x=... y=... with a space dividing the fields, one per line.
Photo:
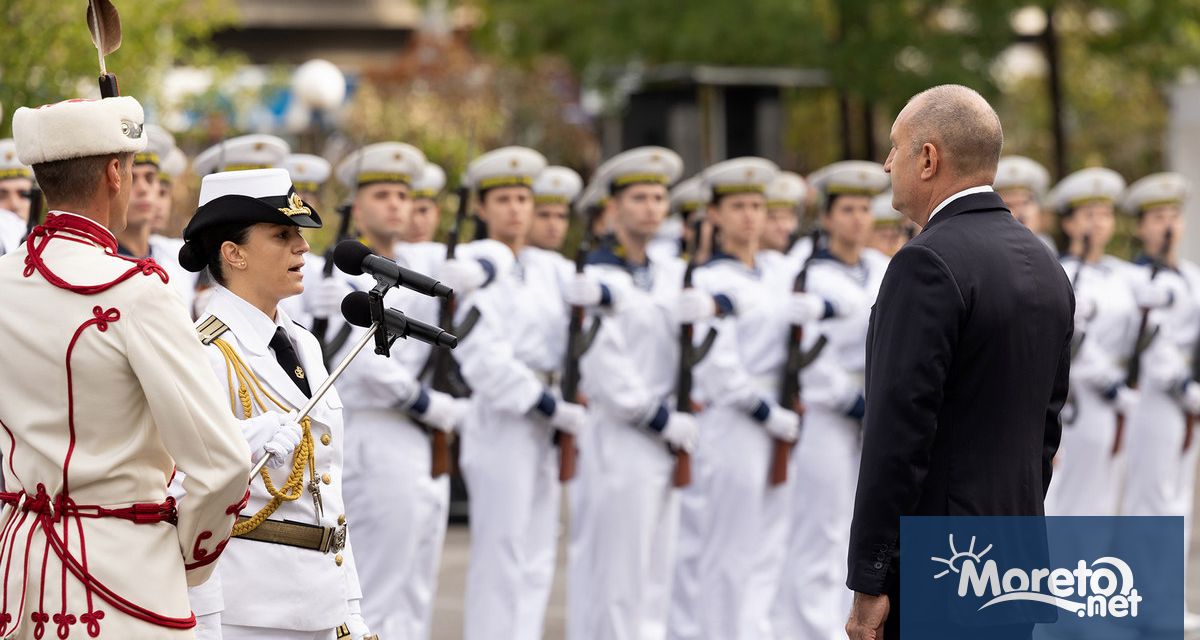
x=74 y=180
x=205 y=250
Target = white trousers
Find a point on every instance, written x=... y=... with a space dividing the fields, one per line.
x=1161 y=477
x=397 y=516
x=510 y=466
x=1087 y=477
x=624 y=522
x=733 y=530
x=238 y=632
x=813 y=600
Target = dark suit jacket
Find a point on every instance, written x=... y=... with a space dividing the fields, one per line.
x=968 y=353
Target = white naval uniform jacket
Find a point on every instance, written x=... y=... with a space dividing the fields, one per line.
x=265 y=584
x=106 y=392
x=12 y=229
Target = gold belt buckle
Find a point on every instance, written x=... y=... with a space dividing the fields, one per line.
x=339 y=539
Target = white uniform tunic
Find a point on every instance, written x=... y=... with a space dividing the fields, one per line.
x=1160 y=479
x=267 y=587
x=12 y=229
x=165 y=251
x=507 y=456
x=733 y=524
x=106 y=392
x=813 y=601
x=624 y=510
x=1086 y=475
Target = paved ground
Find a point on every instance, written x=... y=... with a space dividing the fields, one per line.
x=447 y=619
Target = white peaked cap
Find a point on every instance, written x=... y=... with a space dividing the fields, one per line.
x=850 y=177
x=1019 y=172
x=10 y=165
x=173 y=165
x=79 y=128
x=254 y=151
x=159 y=143
x=381 y=162
x=430 y=183
x=308 y=172
x=787 y=190
x=1155 y=190
x=740 y=175
x=255 y=183
x=881 y=208
x=1096 y=184
x=691 y=194
x=557 y=185
x=505 y=167
x=653 y=165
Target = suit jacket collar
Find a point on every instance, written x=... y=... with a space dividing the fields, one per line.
x=975 y=202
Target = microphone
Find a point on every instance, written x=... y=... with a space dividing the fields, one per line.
x=354 y=258
x=356 y=308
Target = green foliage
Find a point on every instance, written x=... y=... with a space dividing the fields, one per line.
x=48 y=53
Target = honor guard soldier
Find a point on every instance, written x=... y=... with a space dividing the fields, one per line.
x=1162 y=457
x=553 y=191
x=308 y=173
x=1022 y=184
x=785 y=199
x=399 y=508
x=171 y=172
x=811 y=601
x=511 y=360
x=289 y=571
x=16 y=183
x=107 y=395
x=689 y=201
x=726 y=590
x=591 y=203
x=624 y=509
x=426 y=212
x=1087 y=477
x=892 y=230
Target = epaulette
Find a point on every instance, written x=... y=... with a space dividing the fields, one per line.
x=211 y=329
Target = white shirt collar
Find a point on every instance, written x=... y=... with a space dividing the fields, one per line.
x=252 y=327
x=965 y=192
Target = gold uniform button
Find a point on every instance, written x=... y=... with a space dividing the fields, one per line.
x=338 y=559
x=326 y=479
x=326 y=439
x=342 y=519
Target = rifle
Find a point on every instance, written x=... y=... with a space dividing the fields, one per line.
x=790 y=387
x=35 y=210
x=578 y=343
x=445 y=376
x=1189 y=418
x=1144 y=338
x=1077 y=340
x=689 y=356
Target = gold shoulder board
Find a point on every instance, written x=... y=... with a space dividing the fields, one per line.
x=211 y=329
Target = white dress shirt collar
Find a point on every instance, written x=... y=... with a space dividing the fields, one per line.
x=965 y=192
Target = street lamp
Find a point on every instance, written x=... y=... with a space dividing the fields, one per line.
x=319 y=87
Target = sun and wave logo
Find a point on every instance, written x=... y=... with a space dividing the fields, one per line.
x=1103 y=588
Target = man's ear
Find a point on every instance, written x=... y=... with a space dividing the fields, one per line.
x=113 y=174
x=929 y=161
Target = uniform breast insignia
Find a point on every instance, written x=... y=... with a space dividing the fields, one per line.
x=211 y=329
x=299 y=372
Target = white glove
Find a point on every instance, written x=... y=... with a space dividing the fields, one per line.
x=284 y=440
x=327 y=297
x=1191 y=397
x=581 y=291
x=803 y=308
x=1152 y=294
x=783 y=424
x=1100 y=376
x=681 y=431
x=356 y=625
x=1169 y=371
x=694 y=305
x=464 y=276
x=1126 y=400
x=444 y=412
x=1085 y=310
x=259 y=430
x=569 y=417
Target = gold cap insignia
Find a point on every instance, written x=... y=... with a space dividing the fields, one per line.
x=258 y=146
x=513 y=163
x=295 y=208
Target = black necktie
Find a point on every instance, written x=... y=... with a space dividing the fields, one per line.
x=285 y=353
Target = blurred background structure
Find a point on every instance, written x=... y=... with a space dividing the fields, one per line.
x=1077 y=82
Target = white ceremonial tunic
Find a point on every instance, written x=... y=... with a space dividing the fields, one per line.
x=165 y=251
x=813 y=601
x=12 y=230
x=1087 y=477
x=733 y=526
x=270 y=586
x=507 y=456
x=624 y=509
x=107 y=393
x=1160 y=476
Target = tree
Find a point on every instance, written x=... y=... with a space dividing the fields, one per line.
x=48 y=53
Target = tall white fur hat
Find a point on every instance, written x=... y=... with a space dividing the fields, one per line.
x=79 y=128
